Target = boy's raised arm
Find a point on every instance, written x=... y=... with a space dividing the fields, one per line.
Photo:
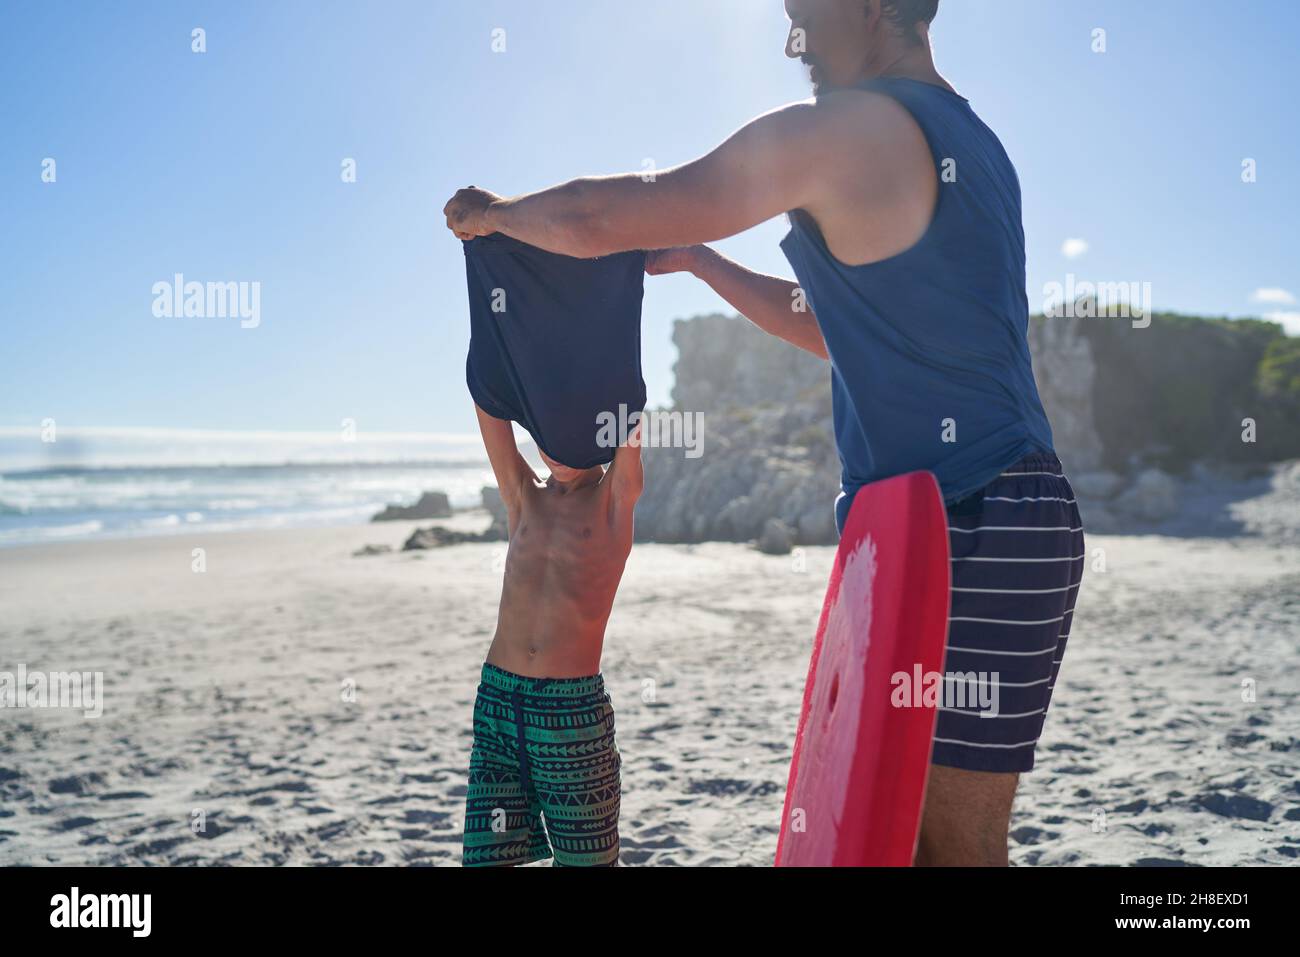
x=509 y=467
x=627 y=471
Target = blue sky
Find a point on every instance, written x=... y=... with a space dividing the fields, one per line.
x=226 y=165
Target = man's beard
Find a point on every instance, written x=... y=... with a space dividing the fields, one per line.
x=816 y=75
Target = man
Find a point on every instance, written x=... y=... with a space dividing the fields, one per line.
x=544 y=746
x=908 y=243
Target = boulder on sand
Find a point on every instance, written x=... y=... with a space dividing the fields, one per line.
x=437 y=536
x=493 y=503
x=777 y=538
x=430 y=505
x=1096 y=485
x=497 y=509
x=1153 y=496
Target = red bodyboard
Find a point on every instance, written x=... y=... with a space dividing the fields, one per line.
x=857 y=778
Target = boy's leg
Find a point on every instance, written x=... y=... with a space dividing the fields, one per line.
x=503 y=824
x=576 y=771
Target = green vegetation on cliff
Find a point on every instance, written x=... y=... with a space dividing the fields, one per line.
x=1177 y=392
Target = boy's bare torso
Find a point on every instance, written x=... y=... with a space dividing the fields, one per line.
x=568 y=547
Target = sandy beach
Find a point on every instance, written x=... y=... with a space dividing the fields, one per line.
x=227 y=701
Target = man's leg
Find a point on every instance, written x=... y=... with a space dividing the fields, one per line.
x=1017 y=553
x=966 y=818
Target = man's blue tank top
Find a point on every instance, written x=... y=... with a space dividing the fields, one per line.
x=930 y=365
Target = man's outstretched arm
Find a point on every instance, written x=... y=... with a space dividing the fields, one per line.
x=761 y=171
x=851 y=153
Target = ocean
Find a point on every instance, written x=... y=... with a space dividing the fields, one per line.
x=62 y=504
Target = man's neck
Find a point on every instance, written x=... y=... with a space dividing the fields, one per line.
x=910 y=63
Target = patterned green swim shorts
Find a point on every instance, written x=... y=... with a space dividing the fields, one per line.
x=543 y=750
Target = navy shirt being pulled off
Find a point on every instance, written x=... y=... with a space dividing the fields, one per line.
x=555 y=345
x=930 y=365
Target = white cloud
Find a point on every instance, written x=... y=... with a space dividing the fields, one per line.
x=1273 y=296
x=1290 y=321
x=1074 y=248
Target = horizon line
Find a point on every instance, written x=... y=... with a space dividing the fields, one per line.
x=247 y=435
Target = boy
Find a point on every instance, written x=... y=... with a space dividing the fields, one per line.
x=543 y=724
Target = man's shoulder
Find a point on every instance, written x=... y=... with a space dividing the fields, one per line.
x=862 y=115
x=849 y=127
x=860 y=112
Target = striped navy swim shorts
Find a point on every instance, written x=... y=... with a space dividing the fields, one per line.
x=1017 y=559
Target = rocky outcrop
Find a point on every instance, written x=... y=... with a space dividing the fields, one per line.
x=438 y=536
x=1138 y=417
x=497 y=509
x=430 y=505
x=1152 y=496
x=724 y=362
x=767 y=449
x=1114 y=503
x=750 y=471
x=769 y=445
x=1066 y=373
